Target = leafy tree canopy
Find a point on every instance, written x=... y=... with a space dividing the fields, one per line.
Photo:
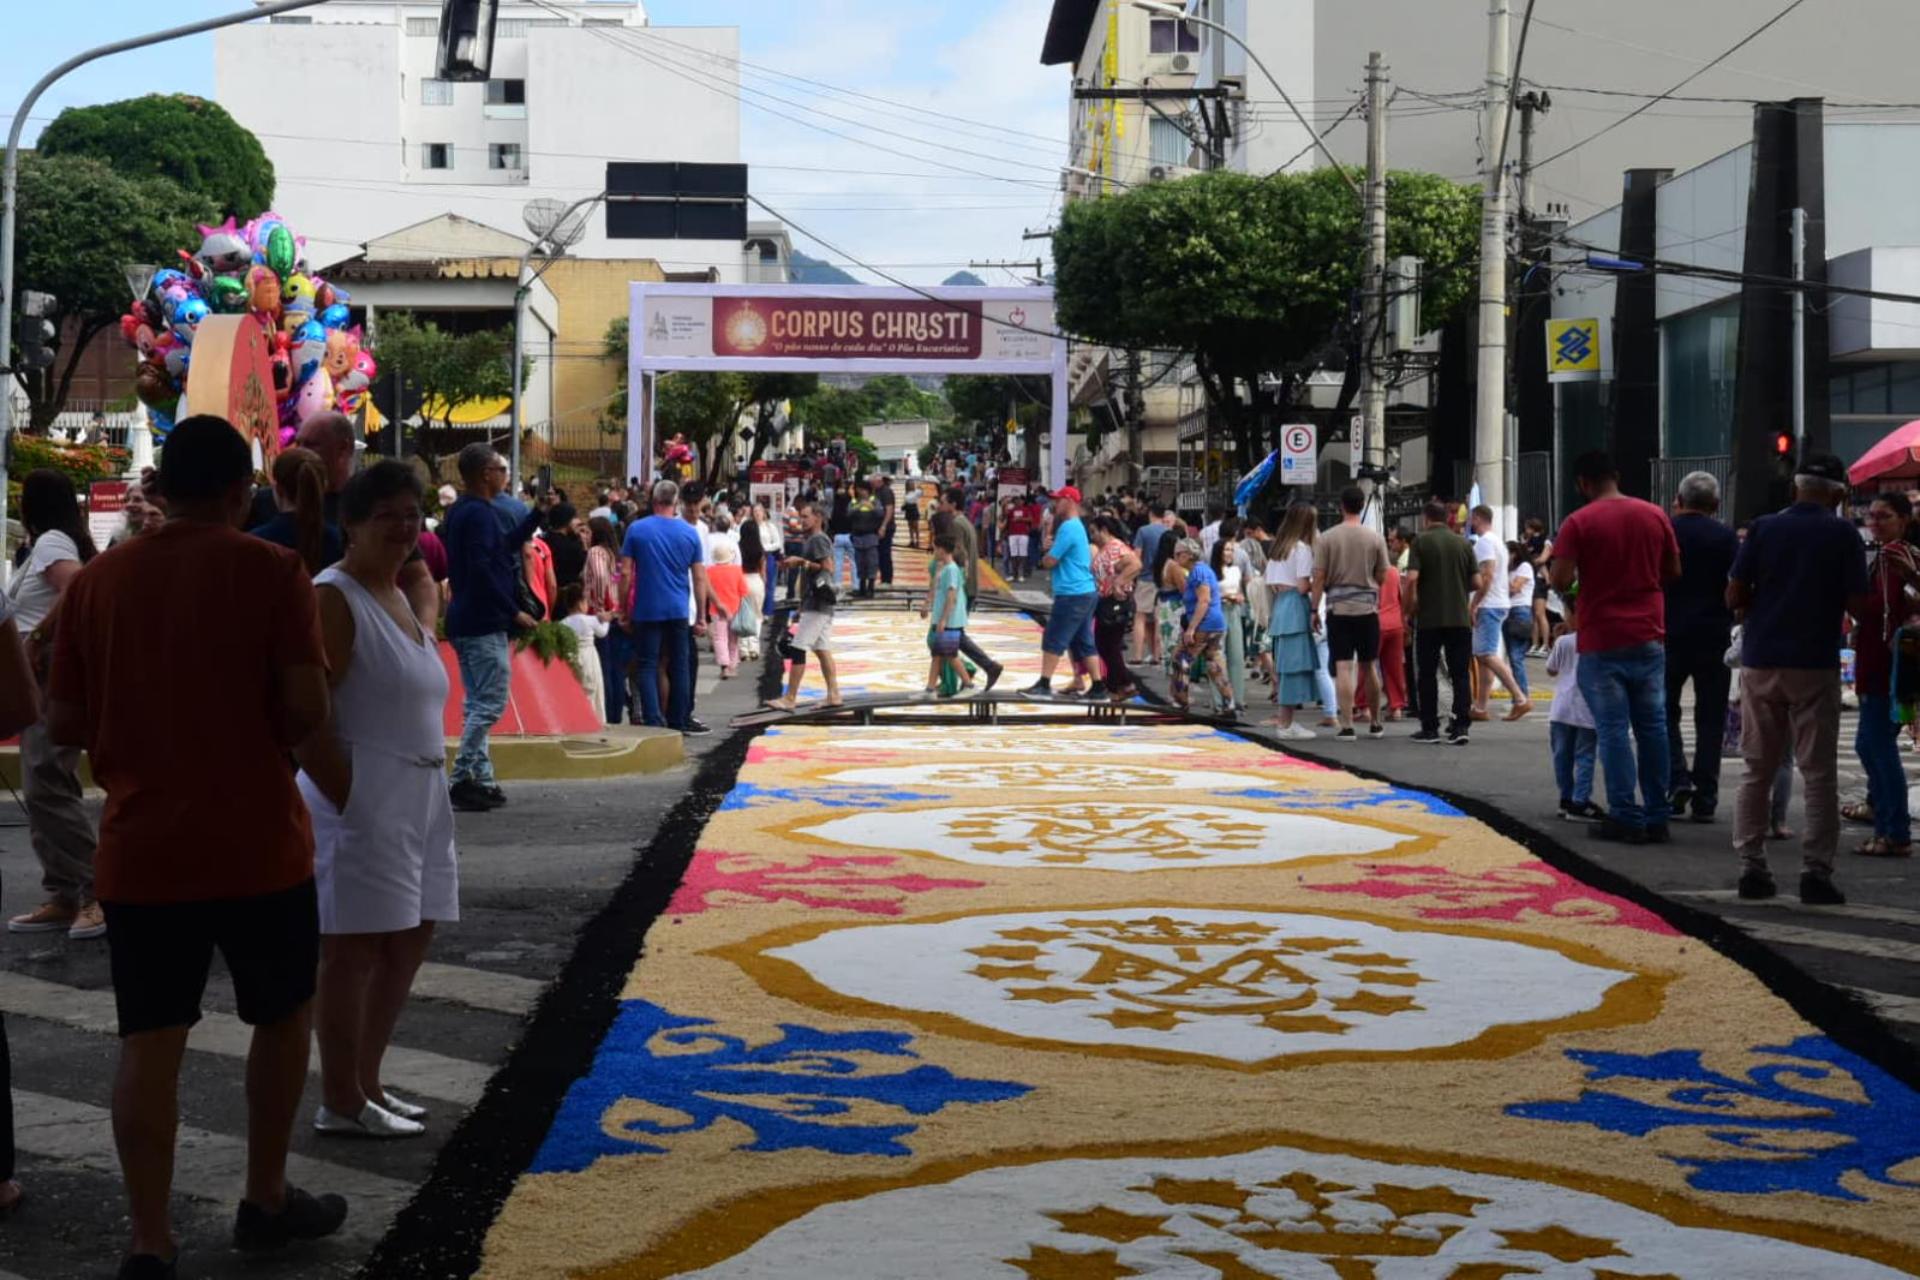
x=445 y=370
x=190 y=140
x=1251 y=275
x=80 y=220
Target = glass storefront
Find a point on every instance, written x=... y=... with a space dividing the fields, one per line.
x=1701 y=353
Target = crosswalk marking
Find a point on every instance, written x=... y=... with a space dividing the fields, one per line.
x=207 y=1166
x=410 y=1070
x=1891 y=1007
x=1857 y=911
x=478 y=988
x=1828 y=940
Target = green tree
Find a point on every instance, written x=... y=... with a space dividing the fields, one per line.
x=187 y=139
x=704 y=407
x=80 y=220
x=832 y=411
x=983 y=402
x=445 y=370
x=1253 y=276
x=770 y=391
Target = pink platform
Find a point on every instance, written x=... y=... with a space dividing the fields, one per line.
x=544 y=701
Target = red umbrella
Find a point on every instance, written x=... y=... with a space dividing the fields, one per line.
x=1897 y=457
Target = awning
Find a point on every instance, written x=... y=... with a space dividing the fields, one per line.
x=468 y=414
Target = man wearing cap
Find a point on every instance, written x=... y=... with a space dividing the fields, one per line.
x=1797 y=573
x=1070 y=625
x=1623 y=552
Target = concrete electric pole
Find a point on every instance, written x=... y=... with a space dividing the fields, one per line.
x=1491 y=454
x=1373 y=329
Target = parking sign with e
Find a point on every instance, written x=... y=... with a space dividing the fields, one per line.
x=1299 y=453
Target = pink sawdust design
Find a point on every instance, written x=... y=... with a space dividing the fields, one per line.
x=718 y=879
x=1513 y=894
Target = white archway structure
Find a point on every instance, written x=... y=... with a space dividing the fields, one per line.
x=839 y=329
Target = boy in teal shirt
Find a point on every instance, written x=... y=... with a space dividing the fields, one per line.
x=949 y=613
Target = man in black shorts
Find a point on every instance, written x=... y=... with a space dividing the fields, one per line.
x=202 y=849
x=1349 y=566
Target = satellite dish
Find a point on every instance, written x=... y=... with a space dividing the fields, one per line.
x=542 y=216
x=556 y=223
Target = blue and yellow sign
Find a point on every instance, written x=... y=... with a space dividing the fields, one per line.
x=1573 y=350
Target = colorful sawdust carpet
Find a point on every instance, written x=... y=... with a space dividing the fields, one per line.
x=1099 y=1001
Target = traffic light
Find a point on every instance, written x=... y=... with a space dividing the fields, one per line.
x=37 y=334
x=466 y=39
x=1782 y=444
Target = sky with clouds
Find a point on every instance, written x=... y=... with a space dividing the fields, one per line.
x=926 y=135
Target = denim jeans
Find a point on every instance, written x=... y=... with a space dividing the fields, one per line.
x=1626 y=689
x=843 y=558
x=1069 y=626
x=1877 y=741
x=1573 y=753
x=1329 y=694
x=1517 y=649
x=486 y=673
x=666 y=641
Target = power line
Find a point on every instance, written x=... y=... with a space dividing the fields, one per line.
x=1742 y=43
x=1828 y=103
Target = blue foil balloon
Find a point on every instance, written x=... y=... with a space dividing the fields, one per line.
x=335 y=317
x=311 y=331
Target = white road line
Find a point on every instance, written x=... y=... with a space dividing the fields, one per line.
x=1828 y=940
x=208 y=1166
x=1857 y=911
x=1891 y=1007
x=478 y=988
x=415 y=1070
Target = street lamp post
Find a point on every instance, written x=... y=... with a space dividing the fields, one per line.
x=10 y=181
x=522 y=286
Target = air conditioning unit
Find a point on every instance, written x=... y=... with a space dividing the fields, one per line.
x=1168 y=172
x=1164 y=67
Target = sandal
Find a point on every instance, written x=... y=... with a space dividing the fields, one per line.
x=1881 y=847
x=1857 y=811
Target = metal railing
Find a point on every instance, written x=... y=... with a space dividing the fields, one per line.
x=1668 y=472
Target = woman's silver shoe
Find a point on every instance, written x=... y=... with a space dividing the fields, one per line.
x=374 y=1121
x=402 y=1108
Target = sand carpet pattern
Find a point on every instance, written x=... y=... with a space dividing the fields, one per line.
x=1099 y=1001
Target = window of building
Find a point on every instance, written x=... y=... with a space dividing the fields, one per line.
x=1171 y=35
x=506 y=93
x=423 y=26
x=1702 y=365
x=436 y=93
x=503 y=155
x=510 y=29
x=1167 y=143
x=292 y=19
x=436 y=155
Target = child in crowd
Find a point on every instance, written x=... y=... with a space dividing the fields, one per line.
x=588 y=627
x=948 y=612
x=1570 y=726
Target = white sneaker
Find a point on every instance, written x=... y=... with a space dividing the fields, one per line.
x=1296 y=732
x=374 y=1121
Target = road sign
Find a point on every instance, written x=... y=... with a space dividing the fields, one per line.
x=1573 y=350
x=1299 y=453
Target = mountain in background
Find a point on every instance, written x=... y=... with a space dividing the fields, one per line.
x=806 y=270
x=964 y=278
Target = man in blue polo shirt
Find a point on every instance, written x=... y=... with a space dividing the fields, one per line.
x=1797 y=575
x=1070 y=625
x=663 y=557
x=481 y=554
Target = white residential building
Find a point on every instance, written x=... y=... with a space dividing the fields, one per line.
x=364 y=138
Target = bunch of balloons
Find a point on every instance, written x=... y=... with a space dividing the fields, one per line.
x=255 y=269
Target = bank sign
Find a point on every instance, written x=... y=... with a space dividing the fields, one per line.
x=797 y=329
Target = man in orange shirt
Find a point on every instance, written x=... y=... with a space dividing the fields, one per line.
x=198 y=629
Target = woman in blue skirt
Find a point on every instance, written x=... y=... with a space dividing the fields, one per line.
x=1296 y=659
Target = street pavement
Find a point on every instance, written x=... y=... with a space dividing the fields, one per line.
x=535 y=874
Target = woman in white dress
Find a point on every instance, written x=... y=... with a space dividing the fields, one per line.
x=375 y=781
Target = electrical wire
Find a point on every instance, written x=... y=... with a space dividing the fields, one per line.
x=1738 y=45
x=1513 y=89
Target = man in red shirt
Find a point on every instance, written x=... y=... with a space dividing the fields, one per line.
x=196 y=630
x=1623 y=552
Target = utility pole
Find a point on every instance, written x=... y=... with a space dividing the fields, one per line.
x=1531 y=103
x=1373 y=406
x=1037 y=274
x=1136 y=418
x=1491 y=455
